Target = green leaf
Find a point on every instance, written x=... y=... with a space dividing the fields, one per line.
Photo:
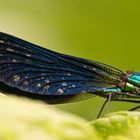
x=118 y=126
x=23 y=119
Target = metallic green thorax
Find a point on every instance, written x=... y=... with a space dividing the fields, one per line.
x=129 y=87
x=132 y=82
x=134 y=79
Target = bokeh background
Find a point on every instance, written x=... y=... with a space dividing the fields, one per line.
x=106 y=31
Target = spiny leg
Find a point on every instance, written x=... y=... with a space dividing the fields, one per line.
x=130 y=101
x=102 y=108
x=134 y=108
x=107 y=100
x=121 y=100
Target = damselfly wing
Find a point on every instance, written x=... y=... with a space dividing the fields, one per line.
x=30 y=70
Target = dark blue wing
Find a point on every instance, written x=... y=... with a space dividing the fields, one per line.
x=33 y=69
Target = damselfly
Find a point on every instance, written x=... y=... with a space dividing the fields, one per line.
x=30 y=70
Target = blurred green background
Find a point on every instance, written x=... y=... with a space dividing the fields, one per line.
x=107 y=31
